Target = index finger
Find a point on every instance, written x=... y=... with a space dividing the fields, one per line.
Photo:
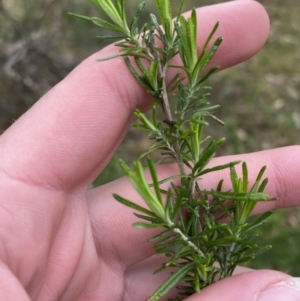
x=71 y=133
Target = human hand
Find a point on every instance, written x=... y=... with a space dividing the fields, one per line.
x=60 y=241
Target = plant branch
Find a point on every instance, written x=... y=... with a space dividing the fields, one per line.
x=190 y=215
x=166 y=105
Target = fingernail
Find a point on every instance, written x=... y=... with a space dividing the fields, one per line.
x=288 y=290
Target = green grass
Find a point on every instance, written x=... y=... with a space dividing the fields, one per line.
x=112 y=172
x=282 y=232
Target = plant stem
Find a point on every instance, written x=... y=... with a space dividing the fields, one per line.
x=192 y=190
x=190 y=243
x=166 y=105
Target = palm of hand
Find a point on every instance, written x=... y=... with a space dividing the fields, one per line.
x=60 y=242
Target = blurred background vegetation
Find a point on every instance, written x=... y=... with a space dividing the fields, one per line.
x=260 y=98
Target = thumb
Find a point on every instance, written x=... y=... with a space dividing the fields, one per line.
x=262 y=285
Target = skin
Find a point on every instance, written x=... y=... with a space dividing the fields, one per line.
x=59 y=241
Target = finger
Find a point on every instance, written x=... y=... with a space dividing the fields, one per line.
x=246 y=285
x=261 y=285
x=71 y=133
x=141 y=282
x=131 y=246
x=282 y=174
x=237 y=27
x=10 y=287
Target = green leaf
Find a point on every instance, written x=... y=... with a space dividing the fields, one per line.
x=155 y=183
x=253 y=255
x=116 y=14
x=258 y=221
x=153 y=220
x=141 y=225
x=180 y=35
x=234 y=179
x=258 y=179
x=180 y=9
x=261 y=250
x=207 y=75
x=136 y=75
x=263 y=185
x=138 y=13
x=171 y=281
x=181 y=197
x=187 y=33
x=204 y=61
x=215 y=228
x=111 y=37
x=82 y=17
x=210 y=36
x=145 y=121
x=192 y=23
x=133 y=205
x=166 y=247
x=165 y=15
x=207 y=154
x=121 y=9
x=157 y=27
x=166 y=240
x=153 y=74
x=245 y=177
x=180 y=253
x=245 y=259
x=223 y=241
x=99 y=22
x=237 y=196
x=216 y=168
x=139 y=182
x=160 y=235
x=171 y=178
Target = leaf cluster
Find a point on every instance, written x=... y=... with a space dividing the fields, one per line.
x=207 y=235
x=204 y=233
